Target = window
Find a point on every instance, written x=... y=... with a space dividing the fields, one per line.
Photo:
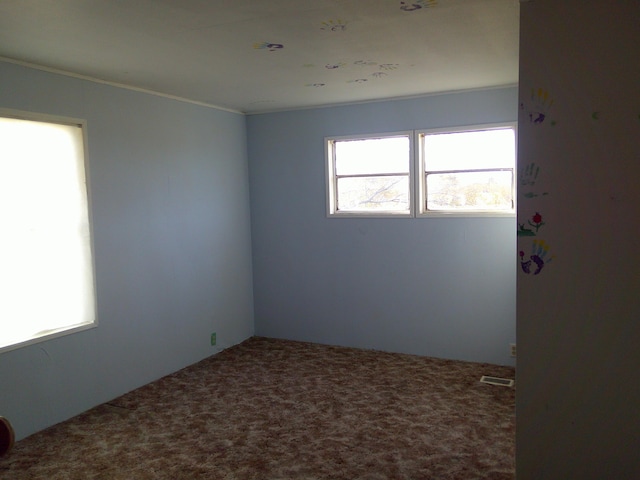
x=464 y=171
x=370 y=175
x=46 y=280
x=467 y=171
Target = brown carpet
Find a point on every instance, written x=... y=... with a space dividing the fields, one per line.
x=275 y=409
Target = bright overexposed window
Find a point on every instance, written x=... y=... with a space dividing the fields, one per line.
x=46 y=266
x=369 y=175
x=469 y=170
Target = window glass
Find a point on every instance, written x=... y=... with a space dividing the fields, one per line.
x=462 y=171
x=384 y=193
x=369 y=175
x=46 y=279
x=372 y=155
x=468 y=171
x=469 y=150
x=470 y=190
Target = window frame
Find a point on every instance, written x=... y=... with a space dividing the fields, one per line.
x=82 y=124
x=417 y=175
x=332 y=178
x=420 y=178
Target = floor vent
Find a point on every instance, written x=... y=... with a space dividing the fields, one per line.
x=503 y=382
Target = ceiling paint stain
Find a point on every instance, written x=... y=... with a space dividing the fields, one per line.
x=334 y=26
x=388 y=66
x=417 y=5
x=272 y=47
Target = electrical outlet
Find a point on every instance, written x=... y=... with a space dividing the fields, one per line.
x=512 y=349
x=213 y=338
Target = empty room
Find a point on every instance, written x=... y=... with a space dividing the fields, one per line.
x=302 y=239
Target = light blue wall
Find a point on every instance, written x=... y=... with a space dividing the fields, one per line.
x=170 y=198
x=443 y=287
x=170 y=192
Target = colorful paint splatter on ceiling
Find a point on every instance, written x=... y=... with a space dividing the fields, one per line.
x=334 y=26
x=375 y=70
x=417 y=5
x=272 y=47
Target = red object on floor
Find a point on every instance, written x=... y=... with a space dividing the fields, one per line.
x=7 y=436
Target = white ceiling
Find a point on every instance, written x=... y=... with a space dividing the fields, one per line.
x=259 y=55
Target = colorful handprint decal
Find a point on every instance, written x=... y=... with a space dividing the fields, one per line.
x=417 y=5
x=365 y=63
x=334 y=26
x=527 y=178
x=363 y=70
x=272 y=47
x=540 y=102
x=538 y=258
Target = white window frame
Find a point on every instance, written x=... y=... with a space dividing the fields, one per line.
x=67 y=329
x=332 y=178
x=420 y=178
x=417 y=176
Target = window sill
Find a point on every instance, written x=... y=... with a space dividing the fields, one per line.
x=43 y=337
x=467 y=214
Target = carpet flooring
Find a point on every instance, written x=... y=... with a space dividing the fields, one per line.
x=276 y=409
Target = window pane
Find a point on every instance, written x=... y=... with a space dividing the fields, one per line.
x=470 y=150
x=470 y=191
x=373 y=193
x=372 y=155
x=46 y=280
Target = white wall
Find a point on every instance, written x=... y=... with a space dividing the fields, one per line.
x=578 y=398
x=170 y=198
x=443 y=287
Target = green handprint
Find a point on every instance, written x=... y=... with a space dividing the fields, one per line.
x=528 y=177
